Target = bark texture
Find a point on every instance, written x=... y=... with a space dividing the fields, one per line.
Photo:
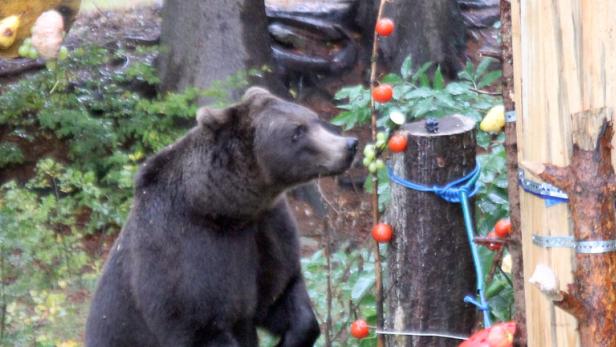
x=590 y=184
x=204 y=41
x=513 y=189
x=430 y=263
x=429 y=30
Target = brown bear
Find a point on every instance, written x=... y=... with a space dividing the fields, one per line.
x=210 y=250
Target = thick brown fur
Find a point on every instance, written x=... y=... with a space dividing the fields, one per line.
x=210 y=250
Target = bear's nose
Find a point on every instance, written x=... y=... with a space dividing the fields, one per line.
x=351 y=144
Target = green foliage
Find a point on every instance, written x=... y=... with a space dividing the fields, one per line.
x=95 y=123
x=352 y=278
x=352 y=295
x=417 y=94
x=10 y=154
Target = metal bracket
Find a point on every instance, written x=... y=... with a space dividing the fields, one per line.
x=548 y=192
x=510 y=116
x=587 y=247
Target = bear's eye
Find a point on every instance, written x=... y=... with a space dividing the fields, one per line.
x=299 y=131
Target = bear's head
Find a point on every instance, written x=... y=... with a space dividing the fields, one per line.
x=289 y=142
x=238 y=160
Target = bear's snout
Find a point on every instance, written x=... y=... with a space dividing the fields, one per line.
x=351 y=145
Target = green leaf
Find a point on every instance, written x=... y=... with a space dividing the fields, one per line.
x=468 y=72
x=497 y=285
x=369 y=341
x=483 y=66
x=497 y=199
x=346 y=92
x=406 y=68
x=421 y=73
x=362 y=287
x=457 y=88
x=423 y=107
x=346 y=119
x=438 y=82
x=419 y=93
x=445 y=100
x=391 y=78
x=424 y=80
x=489 y=78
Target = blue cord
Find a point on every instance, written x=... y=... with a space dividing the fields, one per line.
x=449 y=192
x=458 y=191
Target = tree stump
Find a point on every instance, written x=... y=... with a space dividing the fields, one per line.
x=590 y=183
x=204 y=41
x=429 y=259
x=427 y=30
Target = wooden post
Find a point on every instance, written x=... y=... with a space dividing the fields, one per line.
x=590 y=183
x=561 y=67
x=430 y=264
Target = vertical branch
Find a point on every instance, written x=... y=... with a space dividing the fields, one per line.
x=511 y=147
x=328 y=257
x=2 y=295
x=65 y=250
x=375 y=184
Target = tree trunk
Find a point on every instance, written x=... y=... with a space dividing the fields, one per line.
x=590 y=184
x=430 y=263
x=511 y=146
x=429 y=31
x=204 y=41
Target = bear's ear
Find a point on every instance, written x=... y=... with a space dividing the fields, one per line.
x=254 y=92
x=214 y=118
x=257 y=96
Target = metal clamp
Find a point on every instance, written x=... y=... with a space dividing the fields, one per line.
x=510 y=116
x=546 y=191
x=587 y=247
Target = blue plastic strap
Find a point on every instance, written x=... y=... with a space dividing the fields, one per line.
x=449 y=192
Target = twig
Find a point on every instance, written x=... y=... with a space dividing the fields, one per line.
x=484 y=241
x=481 y=91
x=2 y=295
x=496 y=264
x=324 y=198
x=375 y=183
x=492 y=54
x=572 y=305
x=328 y=257
x=62 y=238
x=99 y=9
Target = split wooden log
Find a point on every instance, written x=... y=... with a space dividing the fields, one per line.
x=430 y=263
x=589 y=183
